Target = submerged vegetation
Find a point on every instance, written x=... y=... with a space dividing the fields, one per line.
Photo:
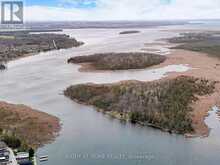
x=165 y=105
x=119 y=61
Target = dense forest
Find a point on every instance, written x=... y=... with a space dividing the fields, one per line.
x=165 y=104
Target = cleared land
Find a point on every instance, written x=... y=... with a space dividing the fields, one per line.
x=117 y=61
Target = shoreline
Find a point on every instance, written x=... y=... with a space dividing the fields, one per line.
x=116 y=115
x=197 y=61
x=31 y=126
x=117 y=61
x=24 y=44
x=203 y=66
x=121 y=90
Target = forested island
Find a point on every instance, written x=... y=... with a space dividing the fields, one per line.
x=118 y=61
x=164 y=104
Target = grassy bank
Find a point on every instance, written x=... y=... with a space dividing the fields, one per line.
x=119 y=61
x=30 y=128
x=165 y=105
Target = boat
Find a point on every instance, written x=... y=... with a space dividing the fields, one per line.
x=43 y=158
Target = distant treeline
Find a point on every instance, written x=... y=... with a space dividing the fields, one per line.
x=17 y=44
x=208 y=42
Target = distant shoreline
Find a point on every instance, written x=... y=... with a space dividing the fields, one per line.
x=17 y=44
x=129 y=32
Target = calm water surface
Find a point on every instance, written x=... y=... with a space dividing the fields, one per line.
x=87 y=137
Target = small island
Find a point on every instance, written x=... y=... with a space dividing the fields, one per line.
x=117 y=61
x=164 y=104
x=129 y=32
x=23 y=127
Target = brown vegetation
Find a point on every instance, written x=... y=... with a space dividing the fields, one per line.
x=163 y=104
x=19 y=44
x=208 y=42
x=202 y=65
x=33 y=128
x=119 y=61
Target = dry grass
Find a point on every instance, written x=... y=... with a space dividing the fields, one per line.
x=33 y=127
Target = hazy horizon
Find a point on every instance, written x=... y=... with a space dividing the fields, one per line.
x=130 y=10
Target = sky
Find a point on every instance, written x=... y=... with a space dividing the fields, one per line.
x=93 y=10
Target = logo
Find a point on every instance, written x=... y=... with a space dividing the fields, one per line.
x=12 y=12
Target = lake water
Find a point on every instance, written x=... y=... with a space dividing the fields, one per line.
x=88 y=137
